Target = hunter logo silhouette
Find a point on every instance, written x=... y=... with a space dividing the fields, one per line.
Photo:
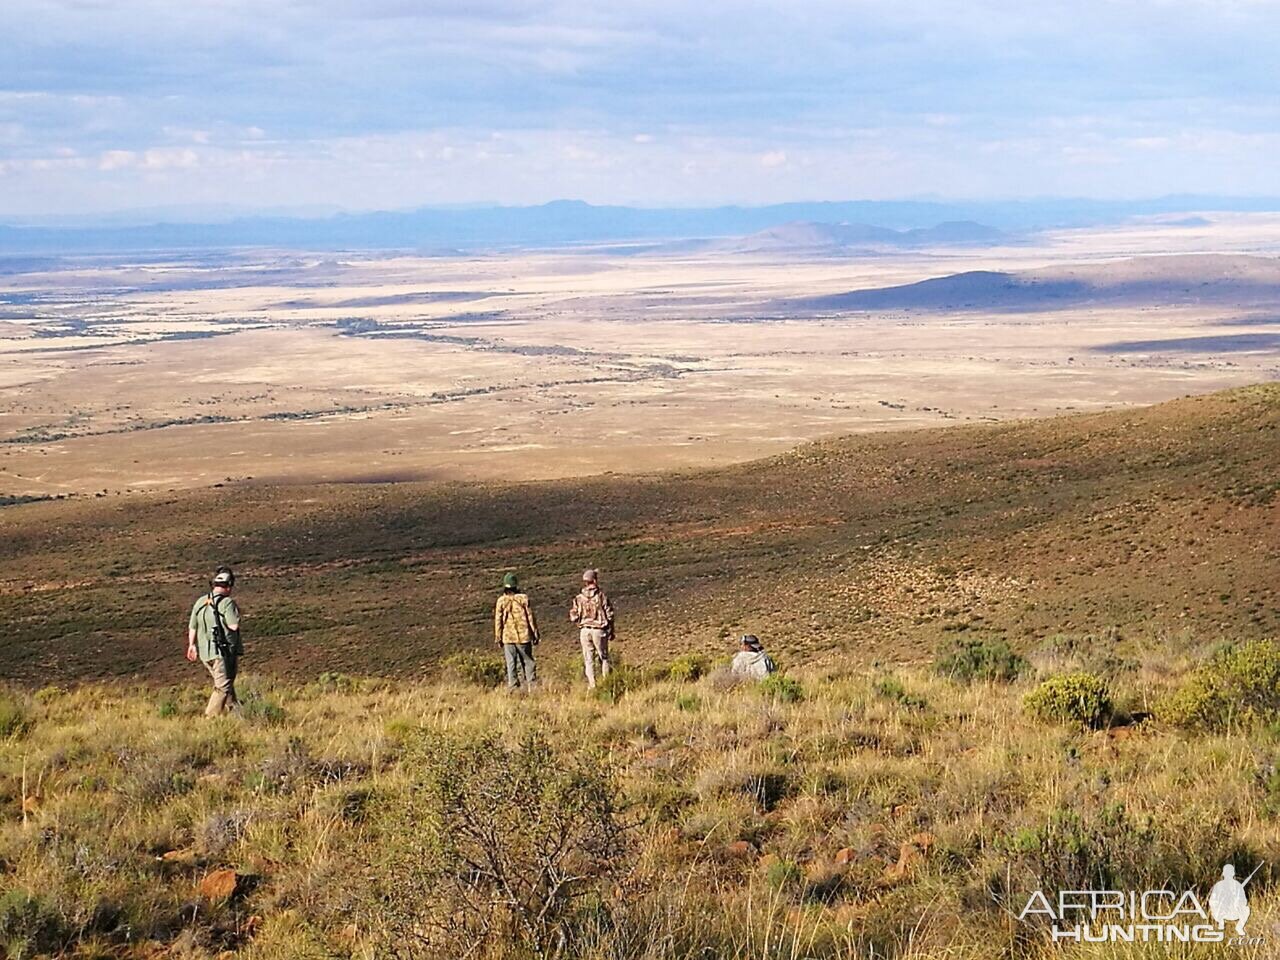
x=1228 y=901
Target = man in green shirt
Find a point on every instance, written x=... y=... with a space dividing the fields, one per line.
x=213 y=638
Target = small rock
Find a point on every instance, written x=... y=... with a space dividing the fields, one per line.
x=219 y=885
x=909 y=857
x=925 y=841
x=739 y=850
x=846 y=856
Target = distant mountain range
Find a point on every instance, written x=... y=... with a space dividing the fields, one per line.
x=818 y=238
x=563 y=222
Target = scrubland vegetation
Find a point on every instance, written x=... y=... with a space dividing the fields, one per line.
x=1037 y=655
x=840 y=811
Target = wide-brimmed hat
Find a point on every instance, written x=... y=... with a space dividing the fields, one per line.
x=751 y=642
x=590 y=575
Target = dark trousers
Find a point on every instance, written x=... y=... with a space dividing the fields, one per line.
x=519 y=656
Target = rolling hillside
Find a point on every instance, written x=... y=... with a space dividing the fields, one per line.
x=1139 y=526
x=1194 y=278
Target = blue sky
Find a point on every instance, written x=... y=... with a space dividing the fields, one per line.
x=114 y=104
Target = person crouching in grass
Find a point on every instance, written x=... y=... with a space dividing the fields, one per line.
x=516 y=630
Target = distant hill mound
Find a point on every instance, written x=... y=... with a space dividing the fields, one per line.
x=811 y=237
x=1174 y=279
x=871 y=547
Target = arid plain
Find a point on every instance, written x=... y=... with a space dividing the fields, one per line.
x=175 y=371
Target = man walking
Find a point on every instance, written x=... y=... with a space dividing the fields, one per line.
x=593 y=613
x=516 y=631
x=213 y=638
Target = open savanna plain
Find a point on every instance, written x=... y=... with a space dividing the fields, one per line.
x=177 y=371
x=899 y=791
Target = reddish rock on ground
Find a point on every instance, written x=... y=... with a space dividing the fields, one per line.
x=219 y=885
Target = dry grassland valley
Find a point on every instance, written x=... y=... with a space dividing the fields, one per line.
x=1004 y=509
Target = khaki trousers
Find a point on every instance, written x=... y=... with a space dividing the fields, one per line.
x=595 y=643
x=223 y=698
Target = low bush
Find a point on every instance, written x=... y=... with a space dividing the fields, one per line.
x=332 y=682
x=15 y=720
x=257 y=708
x=496 y=846
x=1088 y=843
x=1238 y=686
x=782 y=688
x=783 y=874
x=474 y=668
x=621 y=679
x=1071 y=698
x=891 y=688
x=28 y=926
x=970 y=660
x=688 y=668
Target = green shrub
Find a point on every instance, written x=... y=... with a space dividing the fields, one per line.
x=48 y=694
x=332 y=682
x=1238 y=686
x=14 y=718
x=620 y=680
x=1083 y=844
x=688 y=668
x=29 y=926
x=167 y=709
x=969 y=660
x=783 y=874
x=891 y=688
x=474 y=668
x=258 y=709
x=1071 y=698
x=782 y=688
x=688 y=703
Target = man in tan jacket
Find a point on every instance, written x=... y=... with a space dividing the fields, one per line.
x=516 y=631
x=593 y=613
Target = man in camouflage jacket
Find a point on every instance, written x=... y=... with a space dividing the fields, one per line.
x=593 y=613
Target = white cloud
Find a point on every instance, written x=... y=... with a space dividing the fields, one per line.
x=774 y=158
x=117 y=159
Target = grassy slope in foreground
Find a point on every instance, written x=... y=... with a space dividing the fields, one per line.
x=1155 y=523
x=862 y=814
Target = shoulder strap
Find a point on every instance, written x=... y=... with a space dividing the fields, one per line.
x=213 y=603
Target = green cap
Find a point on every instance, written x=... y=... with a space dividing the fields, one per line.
x=510 y=581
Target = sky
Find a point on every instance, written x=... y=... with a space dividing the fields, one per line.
x=391 y=104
